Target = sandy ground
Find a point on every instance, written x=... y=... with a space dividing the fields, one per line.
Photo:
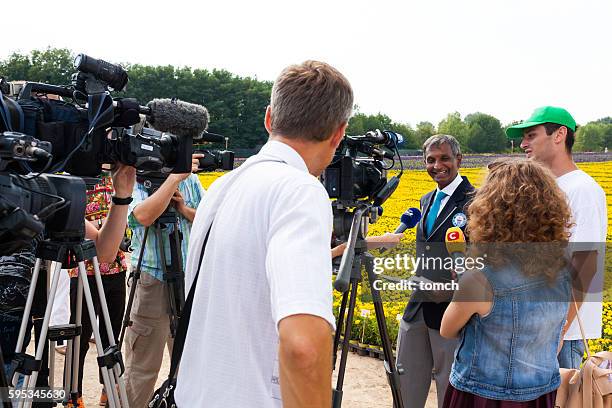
x=365 y=384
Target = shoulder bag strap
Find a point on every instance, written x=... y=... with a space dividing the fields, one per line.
x=586 y=343
x=181 y=331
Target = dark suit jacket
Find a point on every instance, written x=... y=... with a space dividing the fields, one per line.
x=433 y=246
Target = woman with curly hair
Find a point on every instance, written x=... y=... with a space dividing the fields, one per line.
x=510 y=314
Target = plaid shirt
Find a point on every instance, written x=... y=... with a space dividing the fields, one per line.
x=192 y=192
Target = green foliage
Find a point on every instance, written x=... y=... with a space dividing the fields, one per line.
x=454 y=126
x=52 y=66
x=423 y=131
x=237 y=105
x=485 y=133
x=593 y=136
x=361 y=123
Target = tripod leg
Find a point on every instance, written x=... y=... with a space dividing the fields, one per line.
x=337 y=392
x=26 y=314
x=52 y=343
x=109 y=331
x=169 y=286
x=72 y=380
x=68 y=367
x=176 y=260
x=392 y=371
x=126 y=317
x=339 y=326
x=110 y=388
x=30 y=382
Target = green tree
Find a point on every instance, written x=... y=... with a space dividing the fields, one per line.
x=360 y=123
x=453 y=125
x=423 y=131
x=408 y=133
x=485 y=133
x=590 y=137
x=607 y=127
x=52 y=66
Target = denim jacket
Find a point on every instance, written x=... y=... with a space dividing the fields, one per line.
x=511 y=353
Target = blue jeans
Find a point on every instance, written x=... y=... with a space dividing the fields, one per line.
x=571 y=354
x=7 y=370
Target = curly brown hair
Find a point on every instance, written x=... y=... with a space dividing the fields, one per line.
x=520 y=203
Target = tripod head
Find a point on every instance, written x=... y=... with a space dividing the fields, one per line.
x=351 y=221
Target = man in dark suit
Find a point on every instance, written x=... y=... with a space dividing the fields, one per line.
x=421 y=350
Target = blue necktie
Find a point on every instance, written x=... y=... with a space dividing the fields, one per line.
x=433 y=212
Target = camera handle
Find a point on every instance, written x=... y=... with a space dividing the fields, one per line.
x=356 y=255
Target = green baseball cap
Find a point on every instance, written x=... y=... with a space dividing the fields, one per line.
x=545 y=114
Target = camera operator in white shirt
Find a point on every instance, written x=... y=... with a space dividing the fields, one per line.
x=260 y=333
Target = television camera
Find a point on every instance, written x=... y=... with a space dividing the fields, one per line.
x=41 y=133
x=357 y=180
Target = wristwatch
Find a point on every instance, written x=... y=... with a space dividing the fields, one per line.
x=121 y=201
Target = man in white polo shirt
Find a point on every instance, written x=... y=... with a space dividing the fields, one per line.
x=548 y=137
x=260 y=333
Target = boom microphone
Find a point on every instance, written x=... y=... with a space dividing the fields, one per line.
x=178 y=117
x=409 y=219
x=455 y=242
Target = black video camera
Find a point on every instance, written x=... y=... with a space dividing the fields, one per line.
x=212 y=160
x=79 y=133
x=32 y=204
x=215 y=159
x=358 y=171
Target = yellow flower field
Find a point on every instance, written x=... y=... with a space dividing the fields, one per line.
x=413 y=185
x=416 y=183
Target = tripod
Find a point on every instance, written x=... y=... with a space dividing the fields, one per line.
x=65 y=252
x=173 y=272
x=348 y=278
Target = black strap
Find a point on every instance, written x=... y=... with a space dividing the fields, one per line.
x=181 y=332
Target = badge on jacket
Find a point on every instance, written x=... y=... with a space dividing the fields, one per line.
x=459 y=220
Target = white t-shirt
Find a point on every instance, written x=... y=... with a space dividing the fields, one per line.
x=267 y=257
x=589 y=214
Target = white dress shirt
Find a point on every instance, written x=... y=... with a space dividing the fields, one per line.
x=448 y=190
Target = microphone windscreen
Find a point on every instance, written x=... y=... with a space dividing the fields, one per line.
x=409 y=219
x=178 y=117
x=455 y=240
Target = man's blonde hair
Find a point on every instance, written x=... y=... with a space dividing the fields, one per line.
x=310 y=101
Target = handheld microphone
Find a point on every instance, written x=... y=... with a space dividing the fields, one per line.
x=455 y=242
x=409 y=219
x=178 y=117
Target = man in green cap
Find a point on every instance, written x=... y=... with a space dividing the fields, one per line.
x=548 y=136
